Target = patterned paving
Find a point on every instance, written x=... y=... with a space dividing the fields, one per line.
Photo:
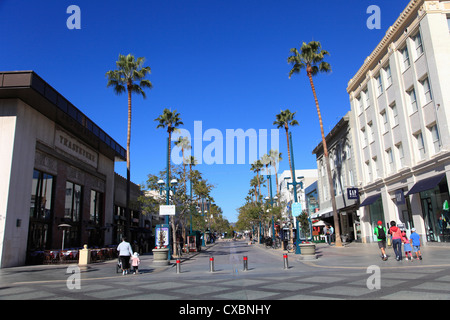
x=265 y=280
x=394 y=285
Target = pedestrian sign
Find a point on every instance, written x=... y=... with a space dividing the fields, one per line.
x=296 y=209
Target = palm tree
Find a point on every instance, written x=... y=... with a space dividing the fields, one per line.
x=283 y=120
x=129 y=77
x=311 y=58
x=275 y=158
x=184 y=144
x=265 y=160
x=256 y=167
x=171 y=121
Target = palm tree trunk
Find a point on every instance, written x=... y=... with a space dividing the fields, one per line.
x=337 y=229
x=289 y=151
x=127 y=201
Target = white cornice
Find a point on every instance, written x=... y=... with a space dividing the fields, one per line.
x=412 y=7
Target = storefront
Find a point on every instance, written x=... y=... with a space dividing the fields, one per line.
x=56 y=172
x=433 y=193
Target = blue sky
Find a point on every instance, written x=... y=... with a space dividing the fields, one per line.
x=219 y=62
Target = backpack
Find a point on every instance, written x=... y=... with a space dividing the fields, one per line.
x=381 y=234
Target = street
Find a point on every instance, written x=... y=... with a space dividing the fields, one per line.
x=339 y=273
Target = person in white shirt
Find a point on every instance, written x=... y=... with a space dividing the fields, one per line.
x=125 y=252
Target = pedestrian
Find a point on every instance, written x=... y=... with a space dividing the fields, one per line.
x=135 y=262
x=396 y=240
x=406 y=246
x=331 y=234
x=326 y=232
x=125 y=253
x=380 y=232
x=415 y=241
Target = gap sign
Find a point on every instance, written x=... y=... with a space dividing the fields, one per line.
x=352 y=194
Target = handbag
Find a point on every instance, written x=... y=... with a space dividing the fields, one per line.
x=389 y=241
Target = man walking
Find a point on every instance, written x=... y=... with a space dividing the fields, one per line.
x=380 y=232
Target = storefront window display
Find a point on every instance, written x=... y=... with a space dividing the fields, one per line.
x=435 y=212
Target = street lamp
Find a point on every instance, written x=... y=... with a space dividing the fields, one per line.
x=165 y=185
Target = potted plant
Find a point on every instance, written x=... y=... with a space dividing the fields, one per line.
x=161 y=252
x=307 y=248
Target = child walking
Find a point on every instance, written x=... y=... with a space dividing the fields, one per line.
x=135 y=262
x=406 y=246
x=415 y=241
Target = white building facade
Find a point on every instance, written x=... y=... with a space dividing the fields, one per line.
x=304 y=178
x=400 y=102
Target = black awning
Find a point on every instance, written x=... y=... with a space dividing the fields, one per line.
x=426 y=184
x=369 y=200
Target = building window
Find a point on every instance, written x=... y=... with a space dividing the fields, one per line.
x=405 y=55
x=351 y=180
x=41 y=211
x=390 y=160
x=96 y=207
x=413 y=100
x=418 y=43
x=448 y=22
x=436 y=138
x=427 y=90
x=368 y=171
x=360 y=104
x=363 y=137
x=401 y=154
x=371 y=132
x=73 y=202
x=376 y=168
x=385 y=119
x=379 y=84
x=388 y=72
x=420 y=145
x=394 y=113
x=366 y=94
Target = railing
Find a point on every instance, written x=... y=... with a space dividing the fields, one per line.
x=70 y=255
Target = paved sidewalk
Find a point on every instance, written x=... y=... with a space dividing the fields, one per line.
x=351 y=256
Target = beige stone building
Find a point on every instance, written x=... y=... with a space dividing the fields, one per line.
x=400 y=100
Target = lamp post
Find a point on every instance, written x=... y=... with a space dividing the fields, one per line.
x=203 y=211
x=294 y=183
x=167 y=187
x=269 y=177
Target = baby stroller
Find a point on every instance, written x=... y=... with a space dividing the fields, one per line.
x=119 y=265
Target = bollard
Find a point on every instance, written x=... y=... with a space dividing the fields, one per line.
x=178 y=266
x=245 y=263
x=286 y=263
x=211 y=264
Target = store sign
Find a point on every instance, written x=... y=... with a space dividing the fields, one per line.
x=352 y=194
x=399 y=197
x=74 y=148
x=167 y=210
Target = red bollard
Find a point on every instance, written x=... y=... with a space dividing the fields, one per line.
x=211 y=264
x=286 y=263
x=245 y=263
x=178 y=266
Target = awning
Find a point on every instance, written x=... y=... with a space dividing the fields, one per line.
x=370 y=200
x=426 y=184
x=318 y=224
x=324 y=213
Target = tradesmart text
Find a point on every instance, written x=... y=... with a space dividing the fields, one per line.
x=229 y=309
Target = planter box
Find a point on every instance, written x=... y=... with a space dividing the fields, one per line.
x=308 y=251
x=160 y=257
